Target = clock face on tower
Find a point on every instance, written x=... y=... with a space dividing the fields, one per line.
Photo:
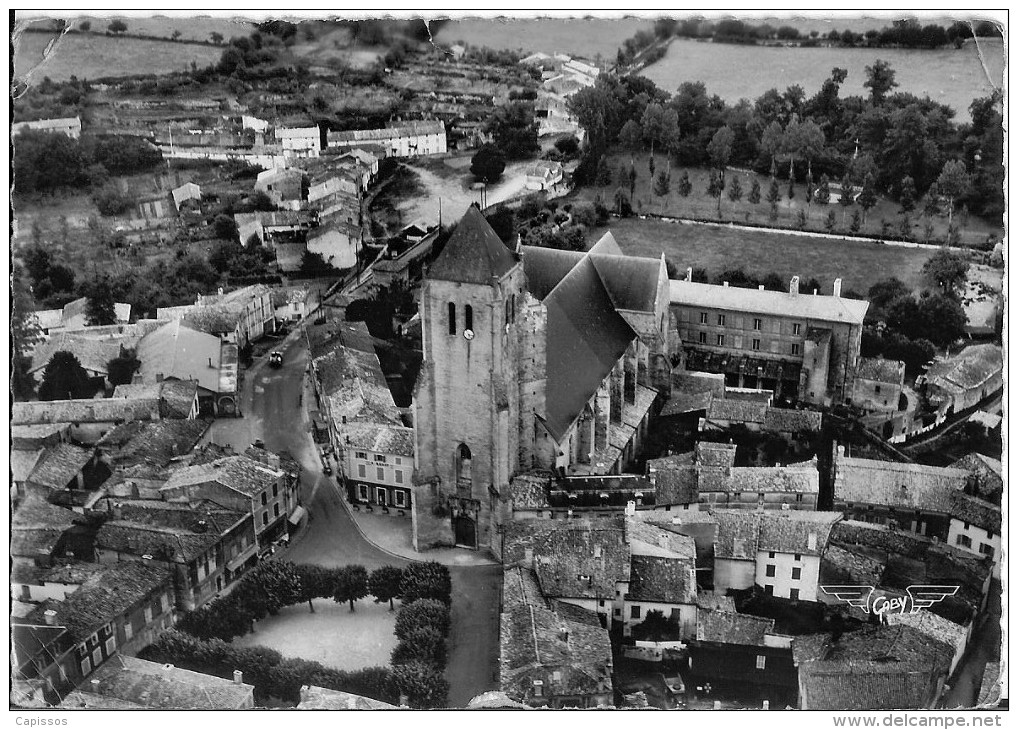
x=468 y=334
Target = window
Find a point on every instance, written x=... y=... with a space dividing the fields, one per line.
x=399 y=460
x=703 y=318
x=721 y=340
x=703 y=338
x=275 y=490
x=985 y=549
x=380 y=458
x=265 y=518
x=796 y=573
x=468 y=317
x=452 y=318
x=966 y=526
x=399 y=476
x=756 y=344
x=634 y=612
x=400 y=496
x=797 y=556
x=362 y=471
x=362 y=492
x=771 y=555
x=275 y=510
x=769 y=571
x=538 y=688
x=361 y=455
x=721 y=320
x=164 y=600
x=769 y=590
x=964 y=541
x=380 y=472
x=796 y=329
x=876 y=389
x=761 y=661
x=147 y=611
x=265 y=499
x=793 y=594
x=128 y=630
x=618 y=611
x=795 y=349
x=757 y=324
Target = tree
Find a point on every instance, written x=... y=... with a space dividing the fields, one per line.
x=685 y=186
x=715 y=188
x=631 y=138
x=823 y=196
x=720 y=151
x=422 y=644
x=953 y=183
x=791 y=188
x=603 y=176
x=831 y=220
x=279 y=583
x=934 y=317
x=384 y=584
x=117 y=27
x=316 y=581
x=175 y=35
x=225 y=227
x=847 y=195
x=632 y=180
x=661 y=184
x=426 y=580
x=351 y=584
x=488 y=163
x=754 y=192
x=801 y=219
x=886 y=291
x=120 y=370
x=907 y=194
x=110 y=201
x=25 y=333
x=422 y=684
x=773 y=192
x=905 y=227
x=100 y=307
x=514 y=130
x=216 y=38
x=420 y=613
x=946 y=270
x=735 y=190
x=64 y=378
x=879 y=80
x=867 y=196
x=856 y=221
x=85 y=26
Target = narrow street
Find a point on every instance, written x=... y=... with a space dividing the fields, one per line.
x=274 y=412
x=983 y=647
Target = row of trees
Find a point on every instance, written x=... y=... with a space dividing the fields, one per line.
x=888 y=136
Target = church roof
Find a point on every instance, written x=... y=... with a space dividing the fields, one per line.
x=474 y=253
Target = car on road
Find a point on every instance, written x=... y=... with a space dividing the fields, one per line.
x=276 y=359
x=326 y=466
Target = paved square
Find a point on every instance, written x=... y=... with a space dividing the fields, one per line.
x=331 y=635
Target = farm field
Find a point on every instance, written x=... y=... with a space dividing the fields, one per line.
x=192 y=28
x=91 y=56
x=717 y=248
x=586 y=37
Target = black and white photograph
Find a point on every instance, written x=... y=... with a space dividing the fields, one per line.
x=513 y=360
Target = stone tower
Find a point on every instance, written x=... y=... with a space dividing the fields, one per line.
x=467 y=396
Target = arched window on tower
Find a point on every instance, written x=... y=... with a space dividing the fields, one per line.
x=464 y=473
x=468 y=317
x=452 y=318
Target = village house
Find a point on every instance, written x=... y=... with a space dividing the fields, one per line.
x=293 y=303
x=42 y=532
x=207 y=546
x=186 y=193
x=241 y=484
x=28 y=444
x=985 y=473
x=398 y=139
x=544 y=176
x=337 y=242
x=178 y=399
x=156 y=444
x=963 y=380
x=334 y=191
x=319 y=698
x=94 y=355
x=276 y=227
x=44 y=664
x=62 y=467
x=363 y=158
x=551 y=654
x=299 y=141
x=74 y=316
x=975 y=527
x=878 y=384
x=240 y=316
x=800 y=345
x=70 y=126
x=127 y=682
x=915 y=497
x=283 y=186
x=88 y=418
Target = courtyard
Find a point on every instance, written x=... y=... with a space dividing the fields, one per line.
x=332 y=635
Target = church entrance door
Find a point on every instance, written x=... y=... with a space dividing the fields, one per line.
x=465 y=530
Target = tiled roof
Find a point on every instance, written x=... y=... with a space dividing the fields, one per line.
x=648 y=538
x=725 y=627
x=28 y=436
x=792 y=420
x=177 y=398
x=108 y=594
x=319 y=698
x=162 y=543
x=767 y=479
x=990 y=687
x=402 y=129
x=882 y=537
x=796 y=531
x=738 y=411
x=91 y=353
x=674 y=485
x=976 y=511
x=238 y=473
x=153 y=443
x=85 y=410
x=474 y=254
x=177 y=351
x=81 y=700
x=881 y=370
x=935 y=627
x=715 y=601
x=709 y=453
x=663 y=580
x=73 y=573
x=970 y=368
x=23 y=461
x=737 y=535
x=380 y=438
x=165 y=687
x=988 y=471
x=780 y=303
x=35 y=513
x=682 y=403
x=528 y=492
x=908 y=486
x=840 y=566
x=59 y=465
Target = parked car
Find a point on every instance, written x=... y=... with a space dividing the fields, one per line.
x=326 y=466
x=276 y=359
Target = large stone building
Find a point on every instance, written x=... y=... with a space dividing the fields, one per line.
x=804 y=346
x=533 y=358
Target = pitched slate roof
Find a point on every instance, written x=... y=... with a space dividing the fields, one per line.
x=546 y=267
x=796 y=531
x=976 y=511
x=474 y=254
x=107 y=594
x=239 y=473
x=319 y=698
x=908 y=486
x=737 y=410
x=780 y=303
x=380 y=438
x=23 y=461
x=162 y=543
x=155 y=443
x=59 y=465
x=724 y=627
x=970 y=368
x=85 y=410
x=662 y=580
x=737 y=534
x=528 y=492
x=631 y=281
x=177 y=351
x=791 y=420
x=709 y=453
x=165 y=687
x=881 y=370
x=989 y=472
x=91 y=353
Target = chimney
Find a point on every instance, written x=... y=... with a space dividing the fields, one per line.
x=811 y=541
x=238 y=676
x=725 y=283
x=689 y=274
x=767 y=704
x=563 y=634
x=167 y=667
x=50 y=617
x=95 y=685
x=837 y=287
x=761 y=287
x=220 y=291
x=793 y=286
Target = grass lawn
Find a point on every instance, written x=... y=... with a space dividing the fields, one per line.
x=333 y=635
x=719 y=248
x=699 y=205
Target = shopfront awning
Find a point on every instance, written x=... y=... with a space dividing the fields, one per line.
x=297 y=515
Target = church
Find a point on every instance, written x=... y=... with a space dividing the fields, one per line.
x=534 y=359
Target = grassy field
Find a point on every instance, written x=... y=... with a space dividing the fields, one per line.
x=193 y=28
x=698 y=205
x=717 y=248
x=91 y=56
x=587 y=37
